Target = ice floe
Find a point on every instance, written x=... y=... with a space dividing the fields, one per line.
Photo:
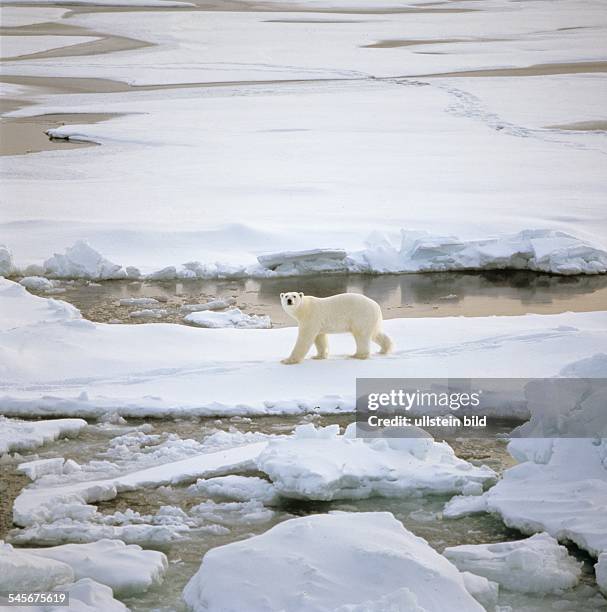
x=37 y=283
x=320 y=464
x=127 y=569
x=18 y=435
x=118 y=369
x=538 y=564
x=218 y=304
x=321 y=563
x=230 y=318
x=22 y=571
x=237 y=488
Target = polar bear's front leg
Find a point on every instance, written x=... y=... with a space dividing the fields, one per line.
x=322 y=346
x=301 y=348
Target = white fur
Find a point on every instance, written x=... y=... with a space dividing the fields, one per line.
x=346 y=312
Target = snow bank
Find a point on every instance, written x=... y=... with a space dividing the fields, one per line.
x=118 y=369
x=127 y=569
x=323 y=563
x=229 y=318
x=25 y=435
x=322 y=465
x=22 y=571
x=538 y=564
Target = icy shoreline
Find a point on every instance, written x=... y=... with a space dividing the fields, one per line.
x=539 y=250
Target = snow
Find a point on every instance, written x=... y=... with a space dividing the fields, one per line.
x=530 y=496
x=41 y=467
x=538 y=564
x=127 y=569
x=144 y=301
x=36 y=283
x=320 y=464
x=322 y=179
x=148 y=313
x=22 y=571
x=323 y=563
x=86 y=595
x=601 y=572
x=219 y=304
x=118 y=369
x=82 y=261
x=14 y=46
x=18 y=435
x=121 y=3
x=483 y=590
x=230 y=318
x=237 y=488
x=43 y=504
x=14 y=17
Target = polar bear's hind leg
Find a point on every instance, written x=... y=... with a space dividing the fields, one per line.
x=322 y=346
x=363 y=344
x=384 y=342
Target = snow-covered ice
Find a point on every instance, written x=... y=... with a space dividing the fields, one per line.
x=237 y=488
x=485 y=591
x=329 y=562
x=119 y=369
x=320 y=464
x=230 y=318
x=127 y=569
x=538 y=564
x=17 y=435
x=37 y=283
x=22 y=571
x=218 y=304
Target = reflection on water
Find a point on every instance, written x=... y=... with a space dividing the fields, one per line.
x=400 y=295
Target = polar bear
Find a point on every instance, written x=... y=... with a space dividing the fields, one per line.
x=346 y=312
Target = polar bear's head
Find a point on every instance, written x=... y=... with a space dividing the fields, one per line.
x=291 y=301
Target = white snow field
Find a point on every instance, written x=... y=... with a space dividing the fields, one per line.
x=538 y=564
x=337 y=562
x=160 y=369
x=17 y=435
x=305 y=131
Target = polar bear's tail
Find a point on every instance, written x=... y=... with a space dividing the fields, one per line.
x=385 y=342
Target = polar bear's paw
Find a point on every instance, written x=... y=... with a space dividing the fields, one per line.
x=289 y=361
x=360 y=356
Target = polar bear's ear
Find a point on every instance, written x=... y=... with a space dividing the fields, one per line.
x=300 y=294
x=282 y=295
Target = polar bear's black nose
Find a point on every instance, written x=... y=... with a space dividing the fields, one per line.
x=289 y=301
